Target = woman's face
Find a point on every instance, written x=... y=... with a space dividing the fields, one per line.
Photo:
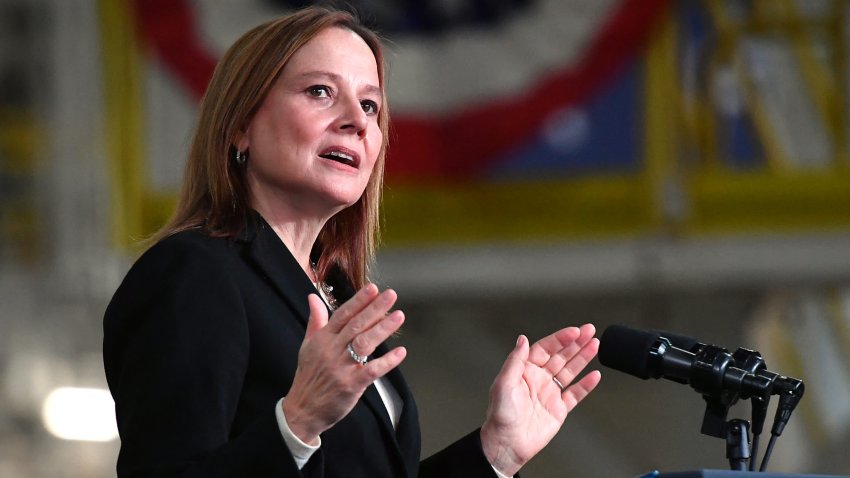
x=314 y=140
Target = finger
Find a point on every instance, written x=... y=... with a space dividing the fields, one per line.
x=318 y=314
x=373 y=312
x=543 y=349
x=352 y=307
x=379 y=367
x=573 y=368
x=560 y=358
x=576 y=392
x=514 y=365
x=366 y=342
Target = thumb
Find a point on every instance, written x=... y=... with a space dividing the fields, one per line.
x=515 y=363
x=318 y=314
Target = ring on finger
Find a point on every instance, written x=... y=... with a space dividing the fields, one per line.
x=559 y=384
x=361 y=359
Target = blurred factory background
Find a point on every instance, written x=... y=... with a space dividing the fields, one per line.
x=679 y=165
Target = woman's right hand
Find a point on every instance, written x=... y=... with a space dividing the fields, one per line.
x=328 y=381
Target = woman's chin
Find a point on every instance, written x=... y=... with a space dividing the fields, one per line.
x=339 y=200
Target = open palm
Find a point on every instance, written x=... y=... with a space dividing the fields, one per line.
x=527 y=407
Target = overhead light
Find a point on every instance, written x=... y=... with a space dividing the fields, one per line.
x=86 y=414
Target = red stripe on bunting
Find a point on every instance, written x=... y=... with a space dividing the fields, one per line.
x=170 y=29
x=454 y=146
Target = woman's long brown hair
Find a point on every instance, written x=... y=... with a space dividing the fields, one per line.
x=214 y=194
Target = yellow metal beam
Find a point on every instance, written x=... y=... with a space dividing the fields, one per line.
x=662 y=176
x=123 y=120
x=838 y=34
x=818 y=78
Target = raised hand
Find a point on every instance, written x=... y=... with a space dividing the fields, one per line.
x=533 y=393
x=329 y=381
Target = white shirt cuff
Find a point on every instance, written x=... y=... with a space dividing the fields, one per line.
x=301 y=451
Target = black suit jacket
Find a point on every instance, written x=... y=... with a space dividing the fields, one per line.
x=200 y=342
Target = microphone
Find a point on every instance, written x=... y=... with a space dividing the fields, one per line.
x=748 y=360
x=789 y=389
x=719 y=376
x=647 y=354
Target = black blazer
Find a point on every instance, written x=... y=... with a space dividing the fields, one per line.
x=200 y=342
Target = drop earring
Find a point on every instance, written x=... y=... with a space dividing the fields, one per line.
x=241 y=157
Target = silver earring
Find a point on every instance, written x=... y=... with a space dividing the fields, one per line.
x=241 y=157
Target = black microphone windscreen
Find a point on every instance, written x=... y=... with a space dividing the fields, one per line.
x=627 y=350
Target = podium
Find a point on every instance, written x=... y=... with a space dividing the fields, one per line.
x=739 y=474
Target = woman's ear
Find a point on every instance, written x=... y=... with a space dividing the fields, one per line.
x=243 y=143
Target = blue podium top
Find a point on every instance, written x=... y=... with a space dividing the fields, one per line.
x=739 y=474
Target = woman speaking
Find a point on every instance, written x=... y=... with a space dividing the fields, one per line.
x=247 y=340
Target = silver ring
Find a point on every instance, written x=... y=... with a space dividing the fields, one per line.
x=559 y=384
x=361 y=359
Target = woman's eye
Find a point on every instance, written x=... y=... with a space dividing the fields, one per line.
x=369 y=106
x=319 y=91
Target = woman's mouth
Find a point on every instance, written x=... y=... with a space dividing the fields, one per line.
x=341 y=155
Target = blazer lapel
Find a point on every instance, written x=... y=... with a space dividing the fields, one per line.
x=407 y=432
x=272 y=258
x=406 y=437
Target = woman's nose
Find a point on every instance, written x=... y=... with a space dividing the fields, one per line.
x=353 y=119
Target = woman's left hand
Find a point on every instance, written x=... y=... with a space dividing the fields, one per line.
x=527 y=407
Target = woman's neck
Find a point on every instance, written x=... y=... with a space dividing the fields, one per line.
x=296 y=218
x=297 y=232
